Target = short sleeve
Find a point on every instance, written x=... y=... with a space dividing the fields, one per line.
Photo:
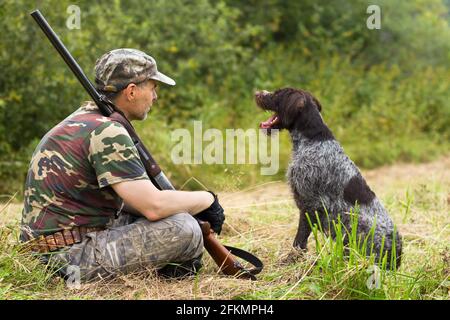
x=113 y=155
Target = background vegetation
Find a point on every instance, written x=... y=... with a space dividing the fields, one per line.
x=385 y=92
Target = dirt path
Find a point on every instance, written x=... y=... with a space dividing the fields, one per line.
x=394 y=179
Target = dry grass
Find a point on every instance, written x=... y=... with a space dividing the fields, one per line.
x=263 y=219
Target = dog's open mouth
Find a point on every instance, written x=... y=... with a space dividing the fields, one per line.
x=270 y=123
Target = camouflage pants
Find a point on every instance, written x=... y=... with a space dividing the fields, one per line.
x=131 y=244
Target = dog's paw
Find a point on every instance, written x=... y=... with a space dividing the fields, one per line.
x=294 y=255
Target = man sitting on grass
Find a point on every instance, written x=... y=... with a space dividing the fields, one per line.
x=89 y=202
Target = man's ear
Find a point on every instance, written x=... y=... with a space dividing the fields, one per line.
x=130 y=92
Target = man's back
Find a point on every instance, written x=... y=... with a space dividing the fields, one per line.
x=71 y=170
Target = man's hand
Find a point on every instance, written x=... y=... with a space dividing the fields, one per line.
x=214 y=215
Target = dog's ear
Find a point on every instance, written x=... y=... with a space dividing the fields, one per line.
x=296 y=100
x=317 y=103
x=310 y=122
x=300 y=99
x=290 y=103
x=312 y=101
x=296 y=106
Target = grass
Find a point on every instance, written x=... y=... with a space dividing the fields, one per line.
x=263 y=219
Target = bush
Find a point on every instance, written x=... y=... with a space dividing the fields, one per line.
x=385 y=92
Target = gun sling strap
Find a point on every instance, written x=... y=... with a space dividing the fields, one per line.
x=250 y=258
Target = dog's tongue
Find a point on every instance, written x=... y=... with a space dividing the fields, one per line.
x=269 y=122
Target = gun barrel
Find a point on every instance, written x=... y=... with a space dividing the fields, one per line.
x=70 y=61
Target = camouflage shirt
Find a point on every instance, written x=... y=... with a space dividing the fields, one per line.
x=71 y=172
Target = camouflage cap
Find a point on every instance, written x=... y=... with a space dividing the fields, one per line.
x=120 y=67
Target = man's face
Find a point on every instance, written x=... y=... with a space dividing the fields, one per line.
x=145 y=96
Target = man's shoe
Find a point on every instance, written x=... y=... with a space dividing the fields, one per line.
x=181 y=270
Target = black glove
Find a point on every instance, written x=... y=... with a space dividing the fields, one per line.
x=214 y=215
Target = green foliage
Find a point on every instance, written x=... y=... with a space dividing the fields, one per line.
x=385 y=92
x=21 y=275
x=412 y=32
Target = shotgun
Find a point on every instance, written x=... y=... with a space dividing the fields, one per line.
x=224 y=256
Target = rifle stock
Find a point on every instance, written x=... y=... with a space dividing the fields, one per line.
x=227 y=263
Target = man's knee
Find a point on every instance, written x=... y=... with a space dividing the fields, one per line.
x=190 y=228
x=191 y=234
x=190 y=239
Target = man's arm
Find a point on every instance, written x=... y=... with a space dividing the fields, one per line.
x=130 y=210
x=155 y=204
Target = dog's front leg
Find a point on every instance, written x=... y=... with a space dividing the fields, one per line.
x=303 y=232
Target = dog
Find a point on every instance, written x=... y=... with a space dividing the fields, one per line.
x=324 y=181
